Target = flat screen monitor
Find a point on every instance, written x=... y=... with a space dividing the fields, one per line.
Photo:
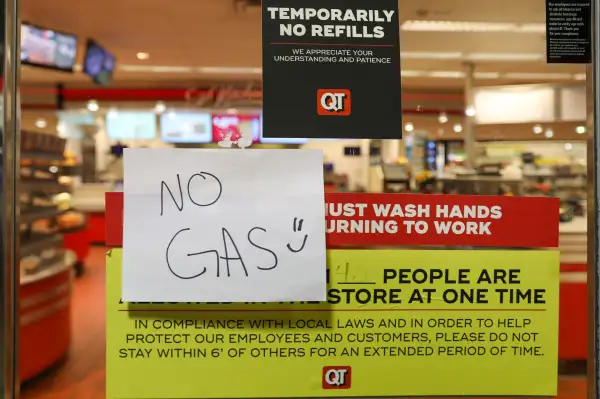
x=98 y=64
x=186 y=127
x=47 y=48
x=131 y=125
x=235 y=126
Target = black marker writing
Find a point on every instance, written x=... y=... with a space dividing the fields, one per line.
x=199 y=253
x=263 y=248
x=203 y=175
x=298 y=228
x=164 y=185
x=226 y=257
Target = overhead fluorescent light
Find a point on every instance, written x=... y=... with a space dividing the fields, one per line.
x=487 y=75
x=446 y=74
x=504 y=57
x=155 y=68
x=411 y=74
x=188 y=69
x=553 y=76
x=422 y=55
x=232 y=70
x=481 y=27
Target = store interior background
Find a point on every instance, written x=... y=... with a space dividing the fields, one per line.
x=470 y=69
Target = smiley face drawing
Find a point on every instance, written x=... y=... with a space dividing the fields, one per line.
x=298 y=229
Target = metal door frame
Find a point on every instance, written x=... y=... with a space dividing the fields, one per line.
x=9 y=198
x=10 y=135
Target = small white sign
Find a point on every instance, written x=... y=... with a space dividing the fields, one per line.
x=223 y=226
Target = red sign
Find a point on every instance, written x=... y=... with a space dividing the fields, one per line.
x=114 y=219
x=447 y=220
x=336 y=102
x=337 y=377
x=233 y=126
x=418 y=219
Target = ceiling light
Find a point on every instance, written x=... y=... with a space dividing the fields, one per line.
x=93 y=106
x=456 y=26
x=470 y=111
x=549 y=133
x=443 y=118
x=424 y=55
x=409 y=127
x=160 y=107
x=486 y=75
x=568 y=146
x=232 y=111
x=431 y=55
x=446 y=74
x=155 y=68
x=458 y=128
x=537 y=129
x=143 y=56
x=411 y=74
x=504 y=57
x=41 y=123
x=580 y=129
x=231 y=70
x=553 y=76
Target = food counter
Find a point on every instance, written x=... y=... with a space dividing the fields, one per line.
x=45 y=264
x=45 y=307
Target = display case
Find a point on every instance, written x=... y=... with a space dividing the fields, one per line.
x=46 y=266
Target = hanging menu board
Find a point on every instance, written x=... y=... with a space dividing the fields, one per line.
x=568 y=31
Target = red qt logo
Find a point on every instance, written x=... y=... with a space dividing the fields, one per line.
x=337 y=377
x=334 y=102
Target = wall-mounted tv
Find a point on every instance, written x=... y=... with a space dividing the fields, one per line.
x=131 y=125
x=186 y=127
x=47 y=48
x=98 y=64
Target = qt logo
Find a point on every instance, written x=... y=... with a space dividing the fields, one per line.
x=334 y=102
x=337 y=377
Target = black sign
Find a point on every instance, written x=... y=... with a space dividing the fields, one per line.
x=331 y=69
x=568 y=31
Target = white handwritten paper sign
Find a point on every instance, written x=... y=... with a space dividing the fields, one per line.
x=223 y=226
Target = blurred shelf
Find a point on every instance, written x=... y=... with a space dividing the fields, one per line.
x=41 y=156
x=38 y=244
x=53 y=269
x=45 y=186
x=554 y=176
x=40 y=213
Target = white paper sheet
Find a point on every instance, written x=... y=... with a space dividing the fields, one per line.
x=188 y=210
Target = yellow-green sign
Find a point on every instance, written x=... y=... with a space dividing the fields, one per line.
x=397 y=323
